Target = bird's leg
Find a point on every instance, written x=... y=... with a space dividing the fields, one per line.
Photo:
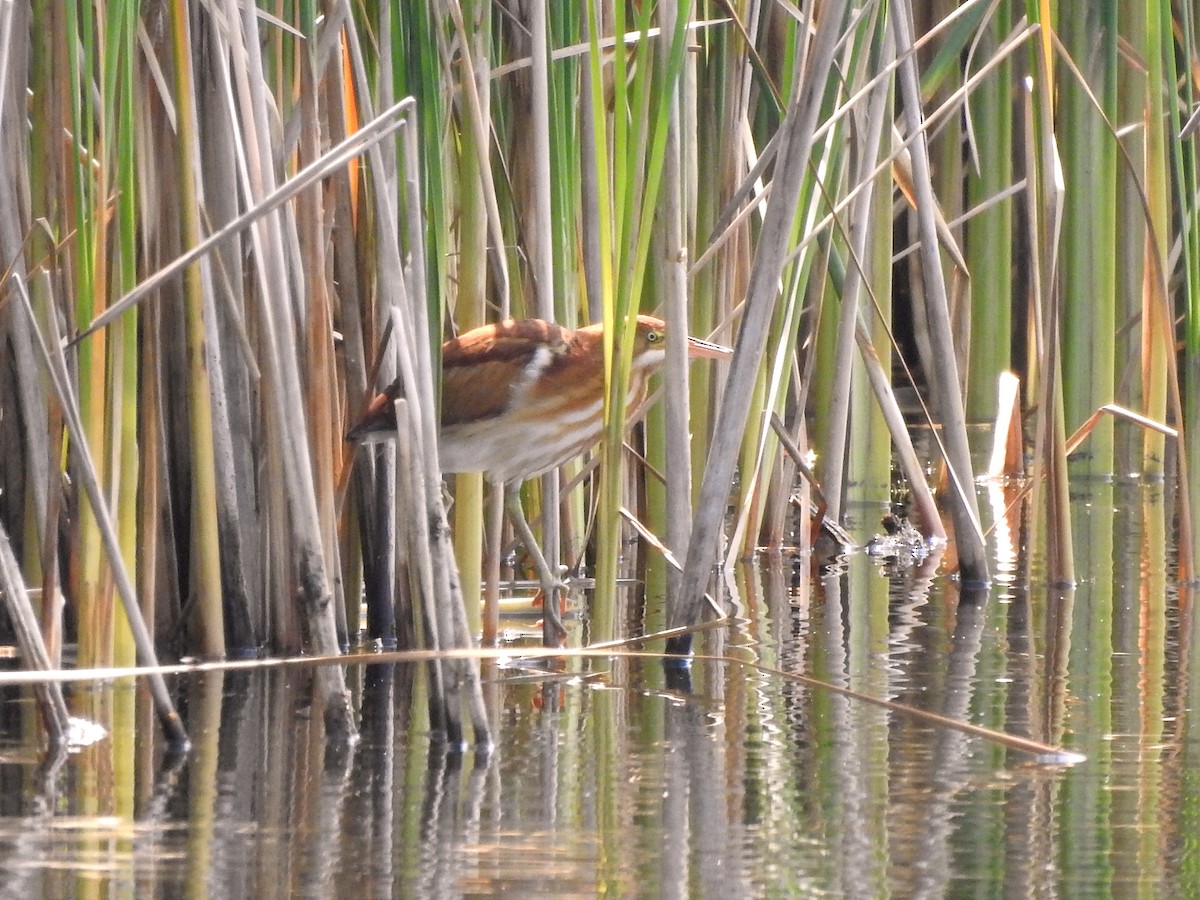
x=553 y=632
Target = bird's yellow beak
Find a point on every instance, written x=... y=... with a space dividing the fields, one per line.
x=698 y=349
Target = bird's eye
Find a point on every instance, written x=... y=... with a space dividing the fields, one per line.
x=654 y=337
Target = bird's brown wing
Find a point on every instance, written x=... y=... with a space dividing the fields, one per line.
x=480 y=367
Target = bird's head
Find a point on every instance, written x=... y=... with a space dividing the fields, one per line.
x=650 y=343
x=378 y=421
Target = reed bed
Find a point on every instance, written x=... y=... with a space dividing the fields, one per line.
x=229 y=223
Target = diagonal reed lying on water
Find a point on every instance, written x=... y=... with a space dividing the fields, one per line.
x=1046 y=753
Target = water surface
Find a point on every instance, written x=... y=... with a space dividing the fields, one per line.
x=728 y=779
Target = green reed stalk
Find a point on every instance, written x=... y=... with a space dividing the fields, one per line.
x=417 y=73
x=1186 y=162
x=668 y=510
x=868 y=463
x=629 y=122
x=672 y=240
x=795 y=155
x=601 y=180
x=95 y=646
x=769 y=392
x=759 y=451
x=206 y=561
x=474 y=185
x=851 y=239
x=1088 y=269
x=1183 y=186
x=639 y=148
x=541 y=251
x=712 y=162
x=452 y=194
x=1044 y=216
x=566 y=216
x=944 y=372
x=1156 y=315
x=1131 y=227
x=715 y=108
x=119 y=91
x=947 y=160
x=989 y=235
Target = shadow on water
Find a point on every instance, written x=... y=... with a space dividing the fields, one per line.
x=719 y=779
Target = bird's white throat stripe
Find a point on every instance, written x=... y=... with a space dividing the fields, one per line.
x=649 y=360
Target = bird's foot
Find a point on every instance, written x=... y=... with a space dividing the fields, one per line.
x=561 y=590
x=554 y=633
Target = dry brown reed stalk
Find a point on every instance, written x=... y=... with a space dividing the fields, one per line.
x=968 y=532
x=788 y=180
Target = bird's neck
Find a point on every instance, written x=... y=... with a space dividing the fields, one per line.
x=635 y=397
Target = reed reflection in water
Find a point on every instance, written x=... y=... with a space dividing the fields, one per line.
x=728 y=779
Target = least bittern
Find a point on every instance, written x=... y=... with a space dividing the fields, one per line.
x=522 y=397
